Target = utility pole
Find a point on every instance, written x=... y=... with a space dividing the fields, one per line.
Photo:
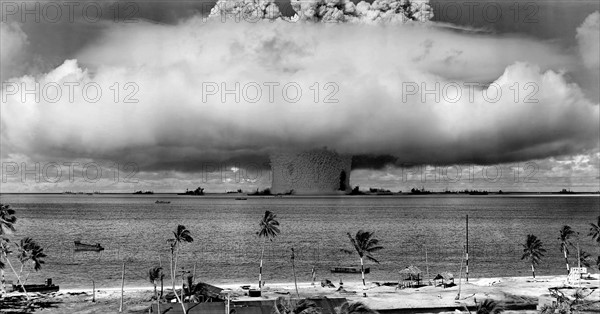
x=122 y=287
x=467 y=250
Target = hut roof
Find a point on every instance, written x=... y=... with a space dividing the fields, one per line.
x=444 y=276
x=411 y=270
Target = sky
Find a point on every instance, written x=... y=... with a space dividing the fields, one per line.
x=155 y=95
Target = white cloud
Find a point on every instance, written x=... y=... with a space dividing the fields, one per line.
x=172 y=125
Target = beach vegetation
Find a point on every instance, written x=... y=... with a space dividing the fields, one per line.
x=268 y=230
x=533 y=251
x=489 y=306
x=180 y=235
x=565 y=235
x=595 y=231
x=155 y=275
x=364 y=244
x=355 y=308
x=30 y=253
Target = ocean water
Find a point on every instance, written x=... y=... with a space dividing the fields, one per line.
x=425 y=231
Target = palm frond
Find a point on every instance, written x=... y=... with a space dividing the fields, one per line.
x=372 y=258
x=349 y=252
x=268 y=226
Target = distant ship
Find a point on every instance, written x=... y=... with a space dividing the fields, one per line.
x=350 y=270
x=88 y=247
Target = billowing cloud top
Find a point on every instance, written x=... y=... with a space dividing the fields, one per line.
x=170 y=97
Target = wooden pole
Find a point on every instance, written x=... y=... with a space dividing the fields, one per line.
x=294 y=271
x=460 y=276
x=467 y=251
x=194 y=273
x=122 y=287
x=427 y=266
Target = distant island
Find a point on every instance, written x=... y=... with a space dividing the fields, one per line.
x=197 y=191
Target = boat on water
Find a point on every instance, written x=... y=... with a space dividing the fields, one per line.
x=45 y=288
x=88 y=247
x=350 y=270
x=162 y=202
x=241 y=198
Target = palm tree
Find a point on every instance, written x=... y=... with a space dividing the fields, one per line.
x=154 y=275
x=533 y=251
x=7 y=221
x=181 y=235
x=586 y=259
x=565 y=234
x=595 y=231
x=355 y=308
x=269 y=229
x=30 y=251
x=364 y=244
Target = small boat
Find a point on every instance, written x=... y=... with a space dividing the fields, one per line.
x=162 y=202
x=88 y=247
x=350 y=270
x=45 y=288
x=241 y=198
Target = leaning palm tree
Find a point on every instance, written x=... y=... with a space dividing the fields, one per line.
x=364 y=244
x=355 y=308
x=595 y=231
x=565 y=234
x=533 y=251
x=269 y=229
x=181 y=235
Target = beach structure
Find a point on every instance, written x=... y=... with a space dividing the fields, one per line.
x=446 y=279
x=410 y=277
x=318 y=171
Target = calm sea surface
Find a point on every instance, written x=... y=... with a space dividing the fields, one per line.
x=227 y=250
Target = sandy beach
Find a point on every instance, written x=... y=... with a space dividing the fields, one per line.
x=505 y=290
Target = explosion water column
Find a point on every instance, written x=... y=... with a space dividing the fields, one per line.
x=318 y=171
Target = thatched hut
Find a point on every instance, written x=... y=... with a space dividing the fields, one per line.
x=446 y=279
x=410 y=277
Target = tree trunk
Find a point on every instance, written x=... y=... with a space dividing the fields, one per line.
x=161 y=286
x=172 y=271
x=362 y=271
x=294 y=271
x=566 y=261
x=122 y=287
x=533 y=270
x=262 y=254
x=15 y=272
x=3 y=288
